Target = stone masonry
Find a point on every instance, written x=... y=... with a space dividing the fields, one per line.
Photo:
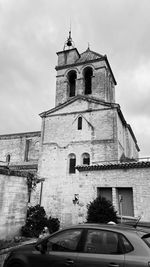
x=85 y=147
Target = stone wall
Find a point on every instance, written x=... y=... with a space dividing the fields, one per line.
x=126 y=142
x=103 y=86
x=136 y=178
x=21 y=147
x=60 y=191
x=13 y=202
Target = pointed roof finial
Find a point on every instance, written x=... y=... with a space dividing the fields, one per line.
x=88 y=48
x=69 y=43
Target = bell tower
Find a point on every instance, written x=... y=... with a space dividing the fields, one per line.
x=88 y=73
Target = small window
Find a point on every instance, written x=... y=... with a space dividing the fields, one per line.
x=66 y=241
x=72 y=163
x=8 y=158
x=86 y=159
x=80 y=123
x=27 y=145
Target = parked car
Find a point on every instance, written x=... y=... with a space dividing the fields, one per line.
x=86 y=245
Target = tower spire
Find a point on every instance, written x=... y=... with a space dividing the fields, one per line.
x=69 y=42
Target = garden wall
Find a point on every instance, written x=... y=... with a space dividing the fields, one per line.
x=13 y=201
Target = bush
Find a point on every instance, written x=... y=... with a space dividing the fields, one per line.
x=101 y=211
x=53 y=224
x=36 y=220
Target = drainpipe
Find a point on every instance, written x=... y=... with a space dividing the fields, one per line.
x=41 y=190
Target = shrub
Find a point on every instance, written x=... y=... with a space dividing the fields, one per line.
x=101 y=211
x=36 y=220
x=53 y=224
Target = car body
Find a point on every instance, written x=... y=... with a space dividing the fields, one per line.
x=86 y=245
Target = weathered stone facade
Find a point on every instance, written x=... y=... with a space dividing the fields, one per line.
x=104 y=135
x=22 y=148
x=133 y=178
x=86 y=128
x=19 y=154
x=13 y=202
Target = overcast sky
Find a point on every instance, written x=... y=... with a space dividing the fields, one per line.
x=32 y=31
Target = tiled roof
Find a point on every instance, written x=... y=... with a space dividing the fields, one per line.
x=18 y=170
x=111 y=166
x=88 y=55
x=19 y=135
x=26 y=166
x=7 y=171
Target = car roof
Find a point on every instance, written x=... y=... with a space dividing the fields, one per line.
x=111 y=227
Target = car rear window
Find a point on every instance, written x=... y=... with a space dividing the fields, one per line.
x=146 y=239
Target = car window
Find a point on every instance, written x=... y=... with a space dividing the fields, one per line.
x=127 y=247
x=102 y=242
x=65 y=241
x=146 y=239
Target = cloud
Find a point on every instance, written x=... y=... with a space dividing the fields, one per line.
x=134 y=90
x=32 y=31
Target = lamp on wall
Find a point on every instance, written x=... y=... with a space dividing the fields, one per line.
x=76 y=199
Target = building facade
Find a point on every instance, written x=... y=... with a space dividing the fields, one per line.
x=86 y=127
x=85 y=147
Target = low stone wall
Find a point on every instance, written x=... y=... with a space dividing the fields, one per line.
x=13 y=202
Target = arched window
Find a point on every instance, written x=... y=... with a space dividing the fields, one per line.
x=86 y=159
x=88 y=73
x=72 y=83
x=72 y=163
x=80 y=123
x=8 y=158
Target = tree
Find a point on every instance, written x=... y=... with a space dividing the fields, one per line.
x=101 y=210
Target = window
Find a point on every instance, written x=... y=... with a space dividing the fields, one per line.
x=72 y=83
x=80 y=123
x=102 y=242
x=127 y=247
x=86 y=159
x=66 y=241
x=8 y=158
x=72 y=163
x=88 y=73
x=27 y=145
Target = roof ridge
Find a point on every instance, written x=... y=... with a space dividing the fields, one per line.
x=89 y=55
x=87 y=98
x=89 y=50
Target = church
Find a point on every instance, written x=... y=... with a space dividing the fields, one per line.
x=85 y=147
